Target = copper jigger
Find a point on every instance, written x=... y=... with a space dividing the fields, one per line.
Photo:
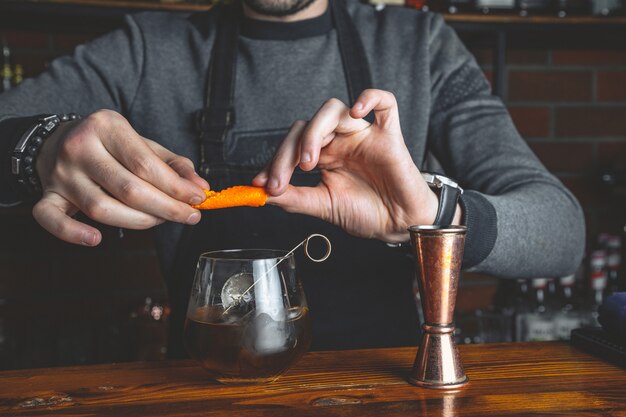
x=438 y=257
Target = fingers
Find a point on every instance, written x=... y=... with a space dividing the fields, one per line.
x=132 y=151
x=137 y=156
x=304 y=143
x=275 y=177
x=89 y=198
x=183 y=166
x=333 y=117
x=135 y=193
x=318 y=129
x=52 y=213
x=384 y=105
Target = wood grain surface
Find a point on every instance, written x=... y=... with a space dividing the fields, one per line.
x=525 y=379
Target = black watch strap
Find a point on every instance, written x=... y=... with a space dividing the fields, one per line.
x=448 y=197
x=448 y=192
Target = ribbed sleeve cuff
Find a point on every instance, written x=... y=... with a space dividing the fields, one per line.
x=11 y=131
x=481 y=220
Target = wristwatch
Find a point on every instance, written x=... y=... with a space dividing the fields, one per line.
x=448 y=192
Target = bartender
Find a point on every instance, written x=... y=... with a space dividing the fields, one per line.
x=337 y=109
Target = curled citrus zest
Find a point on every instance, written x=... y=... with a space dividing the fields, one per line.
x=239 y=195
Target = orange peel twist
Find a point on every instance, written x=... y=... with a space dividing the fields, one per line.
x=239 y=195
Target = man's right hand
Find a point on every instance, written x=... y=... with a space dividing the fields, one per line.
x=100 y=166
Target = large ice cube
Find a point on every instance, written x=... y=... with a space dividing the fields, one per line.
x=237 y=292
x=264 y=336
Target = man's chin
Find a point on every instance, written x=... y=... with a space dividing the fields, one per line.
x=278 y=8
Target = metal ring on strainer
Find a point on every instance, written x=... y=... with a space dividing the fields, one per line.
x=329 y=248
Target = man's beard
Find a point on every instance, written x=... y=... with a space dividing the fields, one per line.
x=278 y=7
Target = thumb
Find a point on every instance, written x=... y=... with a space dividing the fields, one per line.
x=310 y=201
x=53 y=213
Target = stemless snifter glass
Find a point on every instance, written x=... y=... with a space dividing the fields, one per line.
x=247 y=320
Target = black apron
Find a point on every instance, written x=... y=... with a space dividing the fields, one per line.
x=362 y=295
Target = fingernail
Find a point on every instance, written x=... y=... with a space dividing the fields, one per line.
x=193 y=218
x=195 y=200
x=273 y=183
x=358 y=106
x=88 y=239
x=306 y=157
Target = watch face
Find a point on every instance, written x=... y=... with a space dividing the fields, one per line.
x=429 y=178
x=438 y=180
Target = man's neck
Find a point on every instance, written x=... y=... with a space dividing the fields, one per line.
x=315 y=9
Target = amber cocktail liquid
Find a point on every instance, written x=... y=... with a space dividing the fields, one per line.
x=254 y=348
x=247 y=320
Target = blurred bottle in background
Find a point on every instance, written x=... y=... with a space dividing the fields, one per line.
x=565 y=8
x=568 y=315
x=520 y=303
x=18 y=74
x=614 y=264
x=495 y=6
x=597 y=286
x=459 y=6
x=6 y=71
x=149 y=330
x=535 y=323
x=622 y=278
x=418 y=4
x=528 y=7
x=606 y=7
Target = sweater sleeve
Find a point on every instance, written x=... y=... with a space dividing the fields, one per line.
x=102 y=74
x=522 y=221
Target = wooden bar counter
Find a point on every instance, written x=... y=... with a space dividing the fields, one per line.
x=526 y=379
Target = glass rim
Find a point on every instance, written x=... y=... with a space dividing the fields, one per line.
x=219 y=254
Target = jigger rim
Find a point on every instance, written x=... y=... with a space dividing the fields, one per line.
x=437 y=228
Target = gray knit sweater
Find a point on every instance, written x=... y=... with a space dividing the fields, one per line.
x=522 y=221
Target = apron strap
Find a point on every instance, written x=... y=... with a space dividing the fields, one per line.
x=355 y=66
x=218 y=115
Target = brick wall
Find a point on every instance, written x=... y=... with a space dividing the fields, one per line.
x=588 y=130
x=569 y=104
